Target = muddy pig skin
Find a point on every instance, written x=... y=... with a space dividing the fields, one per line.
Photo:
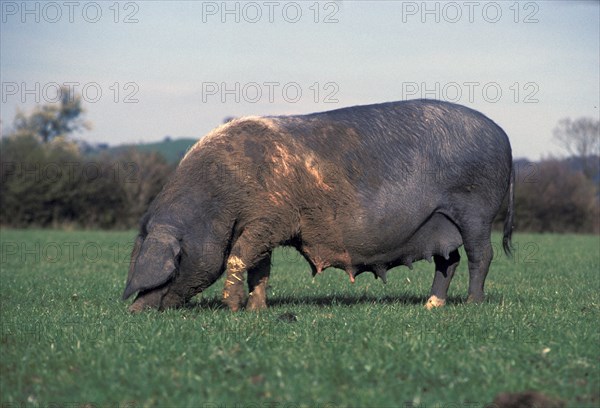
x=364 y=189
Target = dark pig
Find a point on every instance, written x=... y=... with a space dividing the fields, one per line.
x=364 y=188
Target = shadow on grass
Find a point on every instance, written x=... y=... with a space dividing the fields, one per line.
x=215 y=302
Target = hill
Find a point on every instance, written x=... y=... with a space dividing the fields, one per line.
x=171 y=149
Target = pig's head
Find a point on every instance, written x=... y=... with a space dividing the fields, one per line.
x=169 y=265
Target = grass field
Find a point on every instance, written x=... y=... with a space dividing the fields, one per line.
x=67 y=339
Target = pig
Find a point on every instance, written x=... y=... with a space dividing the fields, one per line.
x=363 y=189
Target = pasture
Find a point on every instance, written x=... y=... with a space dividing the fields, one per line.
x=68 y=339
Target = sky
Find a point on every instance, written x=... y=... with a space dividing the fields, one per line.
x=151 y=69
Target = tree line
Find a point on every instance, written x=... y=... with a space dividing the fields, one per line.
x=54 y=185
x=48 y=179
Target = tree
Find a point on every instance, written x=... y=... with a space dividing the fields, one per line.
x=581 y=138
x=52 y=120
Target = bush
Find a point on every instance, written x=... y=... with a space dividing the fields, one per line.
x=141 y=176
x=52 y=184
x=553 y=198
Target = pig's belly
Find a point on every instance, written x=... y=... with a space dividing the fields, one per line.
x=436 y=236
x=357 y=251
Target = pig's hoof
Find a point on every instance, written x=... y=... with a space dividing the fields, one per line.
x=475 y=299
x=434 y=302
x=255 y=303
x=137 y=307
x=233 y=299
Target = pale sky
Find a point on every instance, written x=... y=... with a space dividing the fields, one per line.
x=184 y=66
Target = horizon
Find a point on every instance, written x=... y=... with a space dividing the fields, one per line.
x=102 y=145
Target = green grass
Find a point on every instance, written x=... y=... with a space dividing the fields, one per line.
x=66 y=337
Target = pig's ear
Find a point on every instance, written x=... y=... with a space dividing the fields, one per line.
x=154 y=261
